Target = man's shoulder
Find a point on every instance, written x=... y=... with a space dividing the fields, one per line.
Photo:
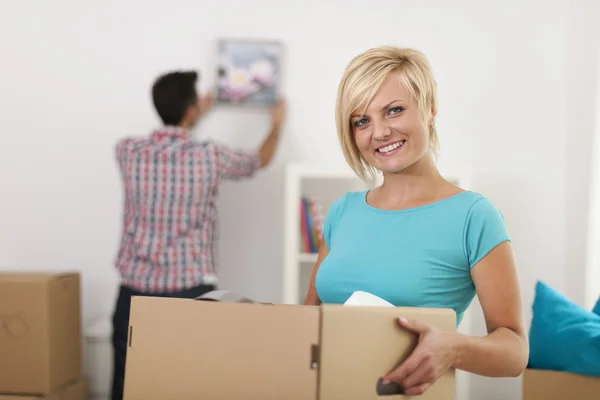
x=136 y=144
x=205 y=149
x=131 y=141
x=208 y=144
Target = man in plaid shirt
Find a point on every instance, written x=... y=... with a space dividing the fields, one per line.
x=169 y=241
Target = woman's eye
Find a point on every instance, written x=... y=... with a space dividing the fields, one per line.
x=360 y=122
x=395 y=110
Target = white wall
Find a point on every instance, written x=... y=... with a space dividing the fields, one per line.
x=592 y=276
x=76 y=78
x=583 y=135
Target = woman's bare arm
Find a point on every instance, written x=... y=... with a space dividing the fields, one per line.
x=505 y=350
x=312 y=298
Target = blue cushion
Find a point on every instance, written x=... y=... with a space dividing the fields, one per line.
x=563 y=336
x=596 y=309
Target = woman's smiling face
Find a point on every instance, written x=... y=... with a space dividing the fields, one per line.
x=390 y=133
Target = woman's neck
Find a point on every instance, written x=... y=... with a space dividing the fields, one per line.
x=421 y=182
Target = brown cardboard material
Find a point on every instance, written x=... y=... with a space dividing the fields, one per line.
x=40 y=331
x=76 y=390
x=557 y=385
x=189 y=349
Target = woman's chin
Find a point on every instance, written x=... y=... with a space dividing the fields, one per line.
x=391 y=166
x=398 y=164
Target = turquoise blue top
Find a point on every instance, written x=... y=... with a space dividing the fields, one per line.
x=417 y=257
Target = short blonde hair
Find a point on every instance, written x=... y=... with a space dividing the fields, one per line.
x=364 y=76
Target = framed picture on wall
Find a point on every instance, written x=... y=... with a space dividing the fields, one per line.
x=248 y=71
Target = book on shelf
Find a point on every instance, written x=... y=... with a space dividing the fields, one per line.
x=311 y=224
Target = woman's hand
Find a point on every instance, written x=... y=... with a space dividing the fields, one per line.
x=433 y=356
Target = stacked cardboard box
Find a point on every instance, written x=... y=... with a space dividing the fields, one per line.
x=40 y=337
x=558 y=385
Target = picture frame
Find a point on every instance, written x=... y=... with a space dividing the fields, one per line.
x=248 y=71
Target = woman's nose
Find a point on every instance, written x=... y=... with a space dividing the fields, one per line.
x=381 y=131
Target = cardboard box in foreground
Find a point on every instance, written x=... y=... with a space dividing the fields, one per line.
x=76 y=390
x=556 y=385
x=40 y=331
x=189 y=349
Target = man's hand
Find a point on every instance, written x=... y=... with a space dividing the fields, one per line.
x=206 y=103
x=278 y=113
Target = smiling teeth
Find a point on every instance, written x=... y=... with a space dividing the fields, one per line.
x=391 y=147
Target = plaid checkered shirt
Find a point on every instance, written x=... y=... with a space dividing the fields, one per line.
x=170 y=241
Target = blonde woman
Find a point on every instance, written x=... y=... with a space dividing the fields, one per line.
x=417 y=240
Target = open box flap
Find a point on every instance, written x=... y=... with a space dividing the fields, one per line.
x=256 y=351
x=359 y=345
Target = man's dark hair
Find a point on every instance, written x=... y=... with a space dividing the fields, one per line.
x=173 y=93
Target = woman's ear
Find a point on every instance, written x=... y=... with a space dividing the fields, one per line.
x=432 y=116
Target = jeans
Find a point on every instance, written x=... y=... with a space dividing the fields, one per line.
x=121 y=329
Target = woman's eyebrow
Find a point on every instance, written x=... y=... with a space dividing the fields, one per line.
x=392 y=102
x=383 y=108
